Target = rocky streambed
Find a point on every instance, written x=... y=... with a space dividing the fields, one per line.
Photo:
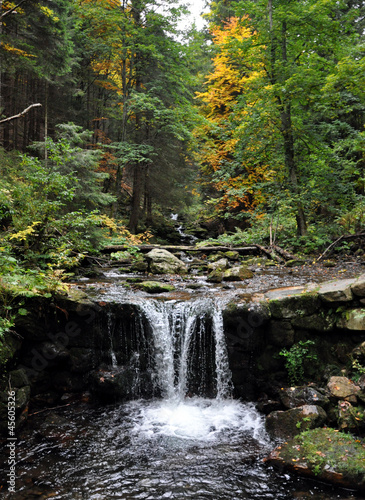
x=71 y=344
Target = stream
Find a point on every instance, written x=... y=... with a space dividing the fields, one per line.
x=193 y=442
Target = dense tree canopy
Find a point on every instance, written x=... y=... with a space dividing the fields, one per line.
x=258 y=119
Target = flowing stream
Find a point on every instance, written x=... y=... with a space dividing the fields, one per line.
x=193 y=442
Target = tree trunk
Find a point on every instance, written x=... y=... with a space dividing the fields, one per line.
x=147 y=204
x=289 y=153
x=136 y=198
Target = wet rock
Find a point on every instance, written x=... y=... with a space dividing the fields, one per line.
x=315 y=322
x=238 y=273
x=220 y=264
x=294 y=304
x=232 y=255
x=336 y=291
x=292 y=397
x=358 y=288
x=342 y=388
x=267 y=406
x=329 y=263
x=215 y=276
x=161 y=261
x=353 y=319
x=295 y=263
x=349 y=417
x=281 y=333
x=119 y=384
x=323 y=454
x=155 y=287
x=18 y=378
x=53 y=354
x=139 y=265
x=22 y=398
x=289 y=423
x=81 y=359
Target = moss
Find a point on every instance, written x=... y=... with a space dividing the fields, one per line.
x=155 y=287
x=327 y=448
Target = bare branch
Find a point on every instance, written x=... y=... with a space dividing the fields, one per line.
x=21 y=114
x=10 y=11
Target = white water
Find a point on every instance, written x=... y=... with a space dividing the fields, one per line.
x=173 y=326
x=199 y=419
x=176 y=327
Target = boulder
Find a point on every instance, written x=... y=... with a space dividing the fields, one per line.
x=292 y=303
x=342 y=388
x=281 y=333
x=349 y=417
x=358 y=288
x=292 y=397
x=18 y=378
x=316 y=322
x=82 y=359
x=232 y=255
x=220 y=264
x=161 y=261
x=155 y=287
x=215 y=276
x=289 y=423
x=295 y=263
x=120 y=384
x=353 y=319
x=323 y=454
x=336 y=291
x=238 y=273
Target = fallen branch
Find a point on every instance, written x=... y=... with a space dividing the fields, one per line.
x=20 y=115
x=270 y=253
x=49 y=409
x=336 y=242
x=283 y=253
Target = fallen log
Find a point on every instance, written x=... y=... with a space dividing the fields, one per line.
x=286 y=255
x=182 y=248
x=270 y=253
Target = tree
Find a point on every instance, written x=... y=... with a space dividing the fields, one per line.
x=142 y=64
x=37 y=52
x=295 y=55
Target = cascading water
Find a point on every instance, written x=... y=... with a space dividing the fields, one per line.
x=194 y=443
x=178 y=329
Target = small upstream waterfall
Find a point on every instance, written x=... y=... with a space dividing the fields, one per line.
x=189 y=346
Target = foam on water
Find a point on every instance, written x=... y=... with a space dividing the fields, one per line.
x=197 y=419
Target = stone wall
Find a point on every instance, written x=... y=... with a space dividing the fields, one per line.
x=332 y=315
x=65 y=342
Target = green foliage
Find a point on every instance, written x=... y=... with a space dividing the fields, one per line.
x=295 y=115
x=16 y=285
x=295 y=358
x=52 y=204
x=327 y=448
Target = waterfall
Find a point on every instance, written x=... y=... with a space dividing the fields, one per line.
x=189 y=347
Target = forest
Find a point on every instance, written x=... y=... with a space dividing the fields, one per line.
x=113 y=117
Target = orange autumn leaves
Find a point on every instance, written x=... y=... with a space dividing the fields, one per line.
x=235 y=166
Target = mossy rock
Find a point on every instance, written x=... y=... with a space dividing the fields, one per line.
x=232 y=255
x=294 y=306
x=286 y=424
x=155 y=287
x=324 y=454
x=295 y=263
x=18 y=378
x=238 y=273
x=215 y=276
